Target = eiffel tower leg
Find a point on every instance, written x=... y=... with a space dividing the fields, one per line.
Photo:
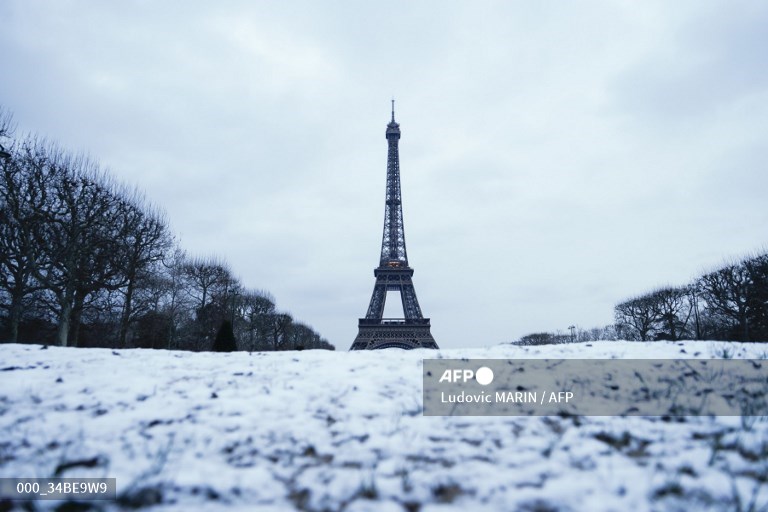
x=376 y=307
x=410 y=303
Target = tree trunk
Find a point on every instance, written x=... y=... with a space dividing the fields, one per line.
x=15 y=317
x=672 y=330
x=125 y=320
x=76 y=315
x=63 y=329
x=696 y=315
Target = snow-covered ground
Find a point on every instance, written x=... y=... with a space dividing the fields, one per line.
x=320 y=430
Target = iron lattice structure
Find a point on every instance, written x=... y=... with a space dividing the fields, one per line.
x=393 y=273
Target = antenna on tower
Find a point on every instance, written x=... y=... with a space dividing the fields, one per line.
x=393 y=110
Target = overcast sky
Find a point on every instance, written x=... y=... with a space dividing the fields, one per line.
x=556 y=157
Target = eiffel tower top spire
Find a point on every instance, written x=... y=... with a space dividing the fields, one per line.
x=393 y=129
x=393 y=253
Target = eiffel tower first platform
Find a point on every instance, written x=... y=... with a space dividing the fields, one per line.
x=393 y=273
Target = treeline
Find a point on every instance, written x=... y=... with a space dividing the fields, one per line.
x=730 y=304
x=576 y=335
x=85 y=261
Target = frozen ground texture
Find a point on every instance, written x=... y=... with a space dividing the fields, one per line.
x=332 y=431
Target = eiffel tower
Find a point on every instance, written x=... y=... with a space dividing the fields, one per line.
x=393 y=273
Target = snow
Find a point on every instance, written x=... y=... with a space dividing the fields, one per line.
x=319 y=430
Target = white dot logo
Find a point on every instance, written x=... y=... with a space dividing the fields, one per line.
x=484 y=376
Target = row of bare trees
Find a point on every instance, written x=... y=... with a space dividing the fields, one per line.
x=576 y=335
x=85 y=261
x=730 y=303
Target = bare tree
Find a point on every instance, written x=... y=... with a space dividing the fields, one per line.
x=209 y=282
x=672 y=310
x=23 y=190
x=77 y=234
x=726 y=293
x=636 y=316
x=280 y=323
x=205 y=275
x=145 y=240
x=175 y=297
x=254 y=313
